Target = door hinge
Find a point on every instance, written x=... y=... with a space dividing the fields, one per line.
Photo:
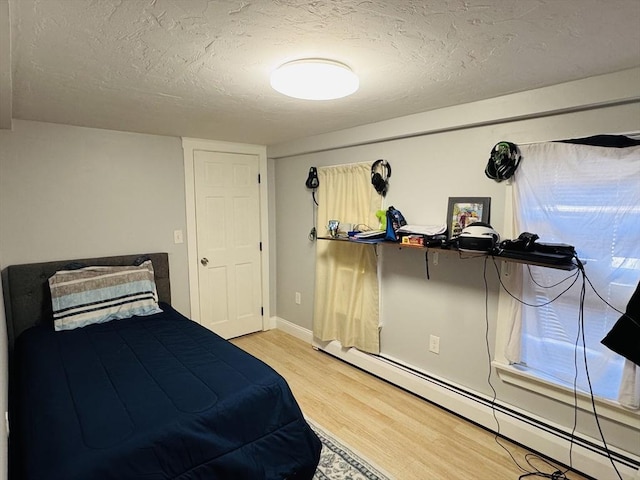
x=260 y=246
x=262 y=311
x=258 y=178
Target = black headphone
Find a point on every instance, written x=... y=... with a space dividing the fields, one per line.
x=503 y=162
x=312 y=179
x=380 y=180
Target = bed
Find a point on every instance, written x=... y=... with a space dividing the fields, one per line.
x=155 y=396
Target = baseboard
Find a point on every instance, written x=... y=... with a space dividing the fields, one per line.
x=270 y=323
x=536 y=433
x=294 y=330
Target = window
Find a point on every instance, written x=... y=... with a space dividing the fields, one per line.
x=588 y=197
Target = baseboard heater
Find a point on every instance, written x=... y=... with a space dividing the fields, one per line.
x=588 y=455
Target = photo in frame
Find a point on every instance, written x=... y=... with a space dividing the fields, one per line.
x=463 y=211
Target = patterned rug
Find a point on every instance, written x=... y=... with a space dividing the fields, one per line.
x=339 y=462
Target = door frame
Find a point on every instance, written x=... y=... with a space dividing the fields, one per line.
x=189 y=146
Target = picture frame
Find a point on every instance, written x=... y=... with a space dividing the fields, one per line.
x=463 y=211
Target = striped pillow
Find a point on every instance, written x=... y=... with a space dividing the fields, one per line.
x=100 y=294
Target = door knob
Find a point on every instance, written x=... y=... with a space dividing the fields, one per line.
x=204 y=261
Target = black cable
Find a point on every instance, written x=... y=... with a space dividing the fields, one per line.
x=426 y=262
x=586 y=365
x=561 y=475
x=313 y=233
x=557 y=475
x=543 y=286
x=575 y=277
x=494 y=394
x=575 y=378
x=581 y=334
x=607 y=303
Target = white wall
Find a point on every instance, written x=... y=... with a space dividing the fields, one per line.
x=70 y=192
x=428 y=168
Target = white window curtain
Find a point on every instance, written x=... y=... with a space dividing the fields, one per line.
x=346 y=306
x=588 y=197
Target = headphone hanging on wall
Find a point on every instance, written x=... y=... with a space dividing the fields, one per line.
x=380 y=173
x=312 y=182
x=312 y=179
x=503 y=162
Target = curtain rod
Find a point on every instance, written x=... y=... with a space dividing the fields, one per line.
x=634 y=135
x=352 y=164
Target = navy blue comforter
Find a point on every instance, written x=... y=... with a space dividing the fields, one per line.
x=151 y=398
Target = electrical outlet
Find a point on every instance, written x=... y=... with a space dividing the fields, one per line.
x=436 y=258
x=434 y=344
x=298 y=298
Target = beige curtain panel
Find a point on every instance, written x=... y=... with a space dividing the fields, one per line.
x=346 y=306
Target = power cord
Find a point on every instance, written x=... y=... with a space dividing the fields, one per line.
x=558 y=474
x=549 y=286
x=534 y=472
x=580 y=272
x=575 y=277
x=581 y=332
x=313 y=233
x=608 y=304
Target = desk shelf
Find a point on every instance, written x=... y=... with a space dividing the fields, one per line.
x=386 y=243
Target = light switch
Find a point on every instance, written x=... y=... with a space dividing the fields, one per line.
x=177 y=236
x=434 y=344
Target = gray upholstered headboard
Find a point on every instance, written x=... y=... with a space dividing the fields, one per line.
x=27 y=298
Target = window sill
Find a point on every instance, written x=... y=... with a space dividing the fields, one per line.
x=605 y=408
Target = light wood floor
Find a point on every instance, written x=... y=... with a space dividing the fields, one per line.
x=403 y=434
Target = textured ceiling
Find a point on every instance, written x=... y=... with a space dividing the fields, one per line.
x=201 y=68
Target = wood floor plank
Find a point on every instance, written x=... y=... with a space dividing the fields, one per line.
x=405 y=435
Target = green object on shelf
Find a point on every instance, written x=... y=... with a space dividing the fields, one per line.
x=382 y=218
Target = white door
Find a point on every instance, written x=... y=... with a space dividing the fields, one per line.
x=228 y=242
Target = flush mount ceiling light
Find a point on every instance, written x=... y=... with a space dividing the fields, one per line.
x=314 y=79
